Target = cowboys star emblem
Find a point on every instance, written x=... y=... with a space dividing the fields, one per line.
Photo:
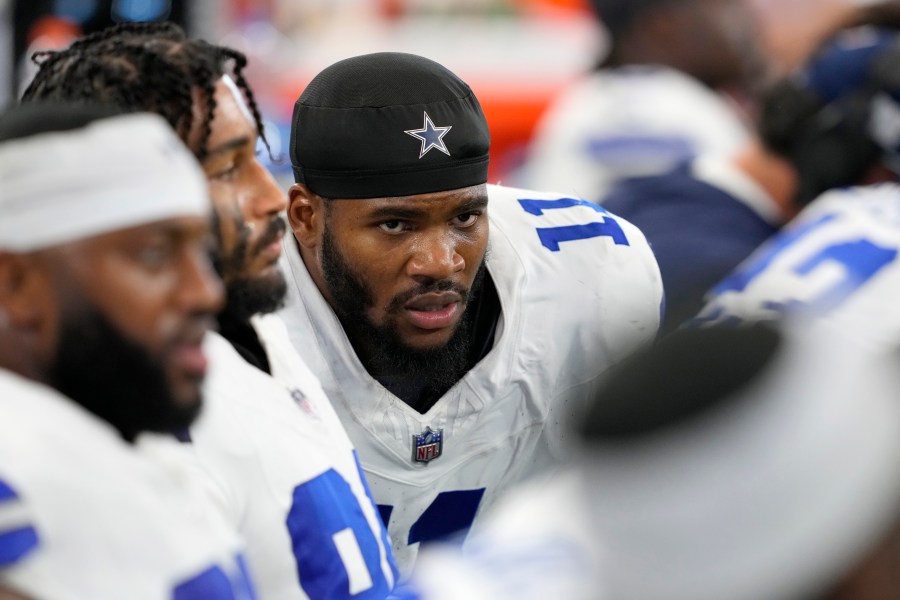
x=431 y=136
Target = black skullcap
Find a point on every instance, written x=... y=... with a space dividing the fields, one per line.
x=832 y=118
x=388 y=124
x=679 y=378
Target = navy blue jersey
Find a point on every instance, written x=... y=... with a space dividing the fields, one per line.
x=698 y=231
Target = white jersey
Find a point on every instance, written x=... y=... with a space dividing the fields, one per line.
x=837 y=260
x=538 y=543
x=579 y=288
x=815 y=439
x=627 y=122
x=286 y=475
x=83 y=514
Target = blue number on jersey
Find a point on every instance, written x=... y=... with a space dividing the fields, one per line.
x=448 y=514
x=330 y=536
x=17 y=541
x=861 y=260
x=214 y=584
x=552 y=237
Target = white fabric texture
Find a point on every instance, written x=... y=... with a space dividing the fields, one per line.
x=628 y=122
x=260 y=440
x=115 y=173
x=112 y=520
x=776 y=494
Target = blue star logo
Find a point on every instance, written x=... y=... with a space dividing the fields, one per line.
x=431 y=136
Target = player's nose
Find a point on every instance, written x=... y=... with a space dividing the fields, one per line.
x=267 y=198
x=435 y=256
x=200 y=290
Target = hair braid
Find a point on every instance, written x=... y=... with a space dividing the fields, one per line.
x=144 y=66
x=240 y=61
x=202 y=73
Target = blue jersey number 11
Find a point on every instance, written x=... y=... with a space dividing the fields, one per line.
x=552 y=237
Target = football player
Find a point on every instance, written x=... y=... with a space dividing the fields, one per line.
x=106 y=293
x=664 y=91
x=836 y=260
x=278 y=461
x=455 y=325
x=760 y=465
x=825 y=126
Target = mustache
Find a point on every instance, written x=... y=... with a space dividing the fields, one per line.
x=275 y=229
x=193 y=329
x=440 y=285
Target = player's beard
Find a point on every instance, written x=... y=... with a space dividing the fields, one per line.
x=247 y=295
x=116 y=379
x=383 y=351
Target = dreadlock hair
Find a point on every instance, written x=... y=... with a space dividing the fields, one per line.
x=143 y=67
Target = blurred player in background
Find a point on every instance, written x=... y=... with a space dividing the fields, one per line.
x=793 y=29
x=830 y=124
x=837 y=260
x=657 y=98
x=106 y=293
x=760 y=465
x=454 y=325
x=279 y=462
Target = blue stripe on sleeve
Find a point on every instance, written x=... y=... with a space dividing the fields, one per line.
x=16 y=544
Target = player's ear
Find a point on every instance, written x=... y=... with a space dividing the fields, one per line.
x=21 y=291
x=306 y=214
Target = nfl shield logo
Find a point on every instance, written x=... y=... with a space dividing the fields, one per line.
x=427 y=445
x=302 y=401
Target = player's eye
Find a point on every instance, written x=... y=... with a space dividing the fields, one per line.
x=155 y=255
x=466 y=219
x=226 y=173
x=394 y=226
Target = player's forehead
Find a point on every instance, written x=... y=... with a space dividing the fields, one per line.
x=184 y=229
x=433 y=203
x=232 y=125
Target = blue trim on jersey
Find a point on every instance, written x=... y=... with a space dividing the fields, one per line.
x=6 y=492
x=624 y=149
x=16 y=544
x=859 y=260
x=246 y=580
x=740 y=279
x=211 y=584
x=450 y=513
x=385 y=539
x=385 y=511
x=323 y=507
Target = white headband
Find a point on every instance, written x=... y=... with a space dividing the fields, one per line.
x=113 y=174
x=774 y=496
